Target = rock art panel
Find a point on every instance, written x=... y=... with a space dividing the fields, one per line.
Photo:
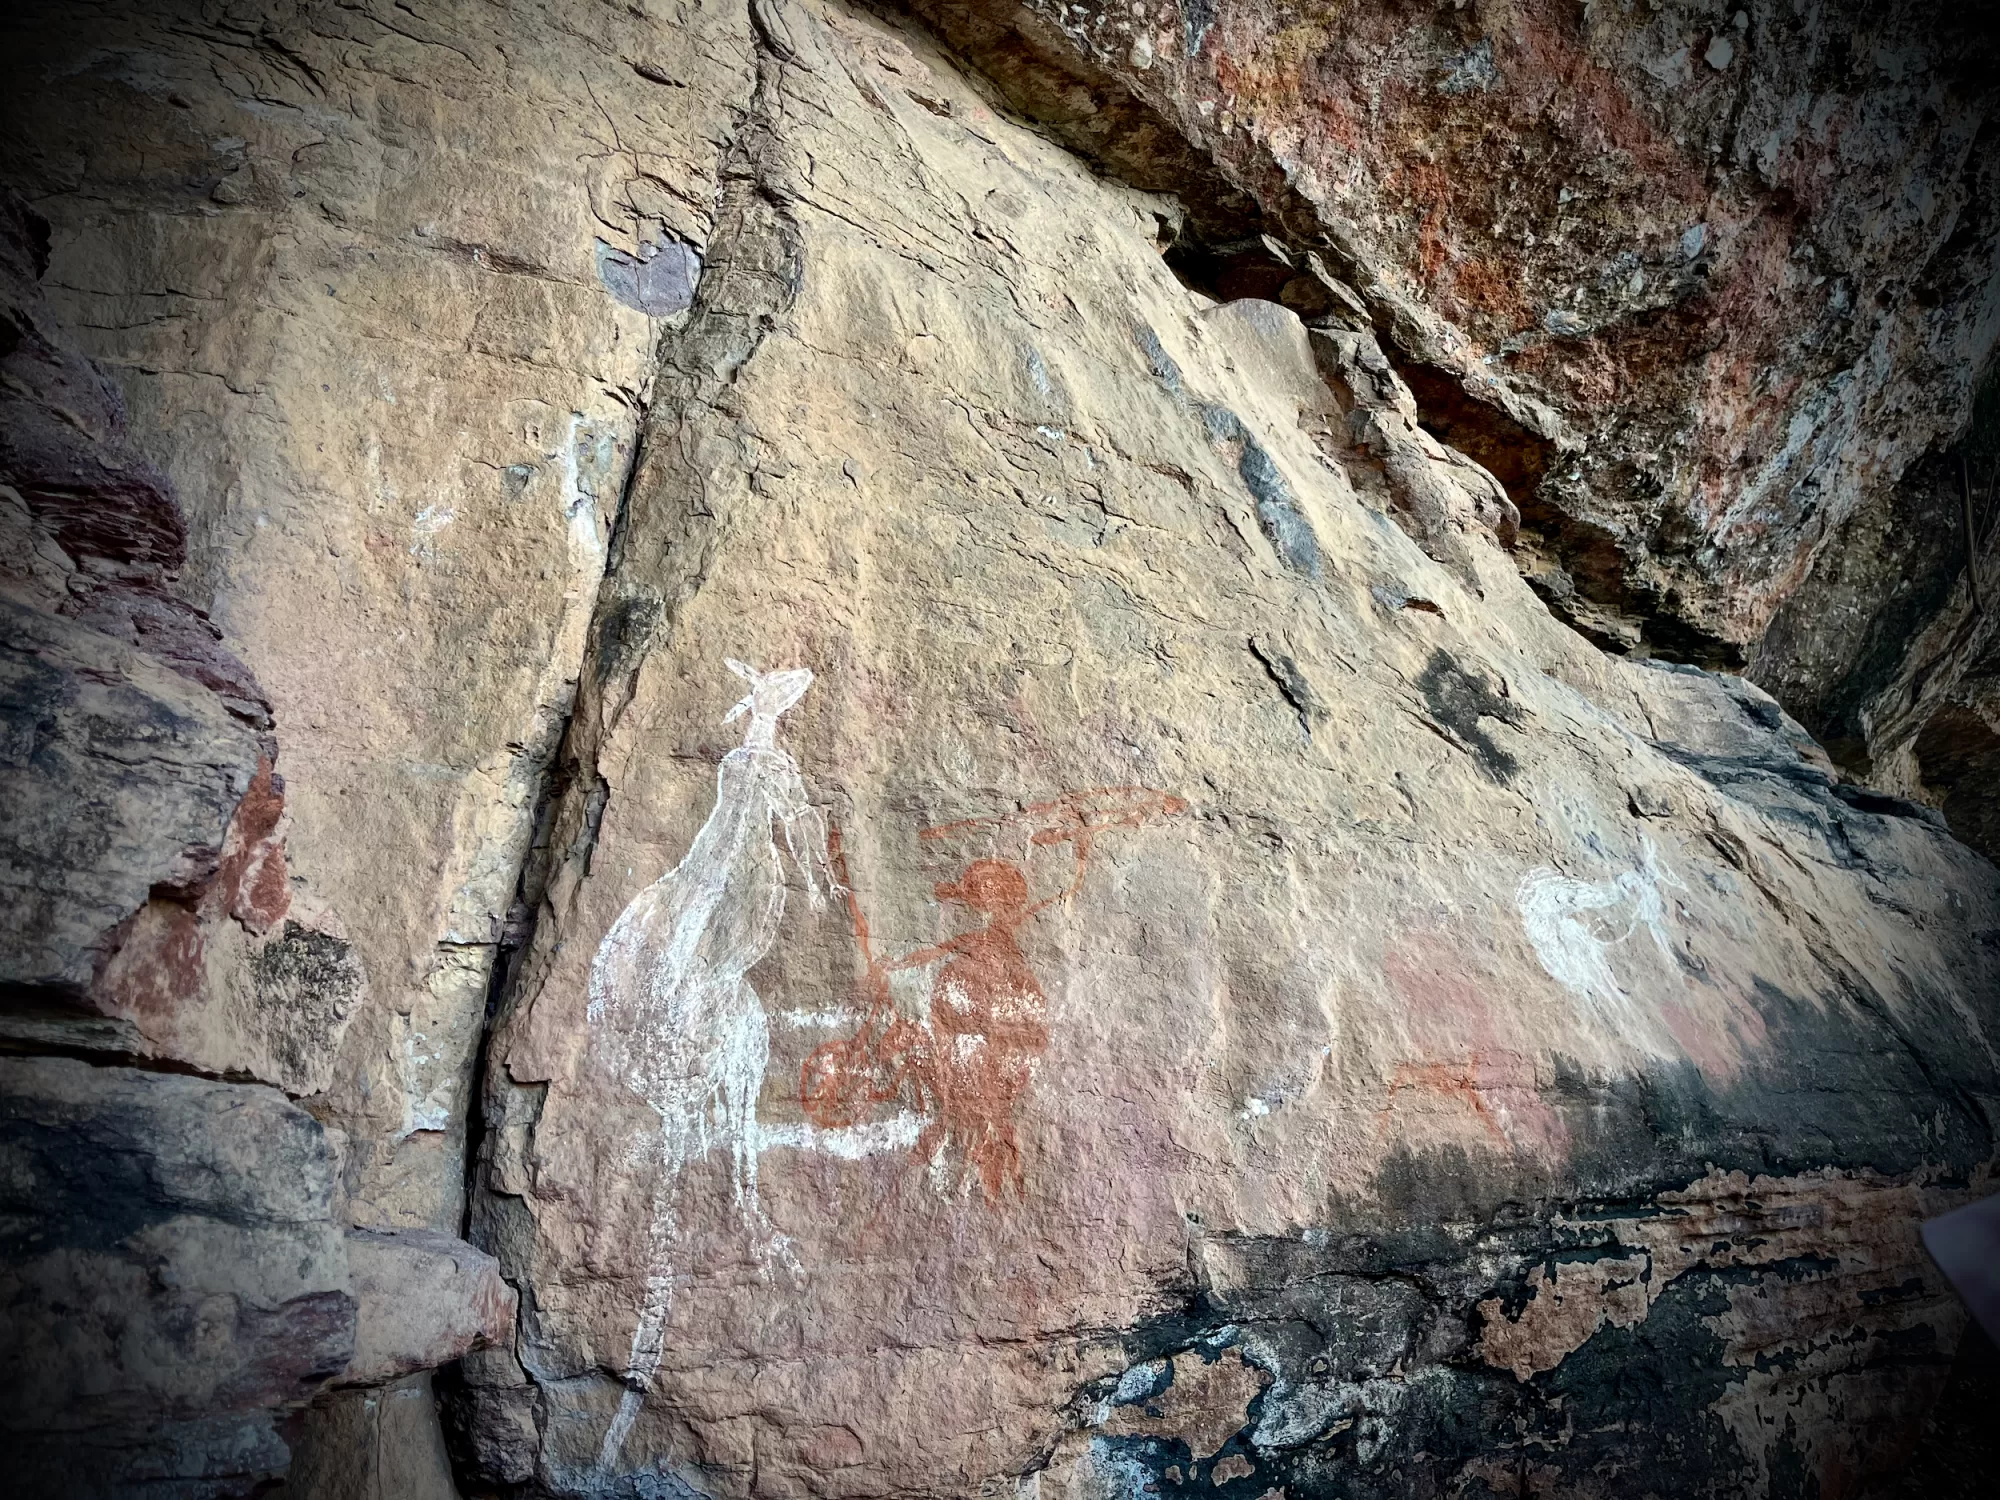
x=674 y=1019
x=1241 y=957
x=1574 y=926
x=964 y=1061
x=1193 y=979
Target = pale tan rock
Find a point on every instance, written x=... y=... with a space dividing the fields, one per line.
x=1380 y=944
x=1435 y=490
x=424 y=1300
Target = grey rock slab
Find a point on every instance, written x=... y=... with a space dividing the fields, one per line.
x=175 y=1278
x=425 y=1299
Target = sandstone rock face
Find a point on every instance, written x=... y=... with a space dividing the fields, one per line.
x=1095 y=1006
x=378 y=1443
x=397 y=414
x=1888 y=649
x=1638 y=260
x=426 y=1299
x=960 y=747
x=155 y=910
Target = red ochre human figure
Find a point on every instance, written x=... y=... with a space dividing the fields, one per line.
x=988 y=1014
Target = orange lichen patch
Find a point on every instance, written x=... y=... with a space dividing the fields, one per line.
x=1207 y=1404
x=1551 y=76
x=1270 y=70
x=1340 y=123
x=1743 y=422
x=1433 y=247
x=1864 y=1221
x=1593 y=371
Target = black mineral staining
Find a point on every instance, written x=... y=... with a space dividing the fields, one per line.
x=1284 y=525
x=1291 y=681
x=1458 y=701
x=1160 y=362
x=1279 y=515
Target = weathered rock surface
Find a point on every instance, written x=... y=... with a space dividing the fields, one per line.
x=1644 y=262
x=374 y=1444
x=1003 y=785
x=142 y=867
x=1888 y=649
x=179 y=1283
x=344 y=264
x=1291 y=963
x=426 y=1299
x=174 y=1278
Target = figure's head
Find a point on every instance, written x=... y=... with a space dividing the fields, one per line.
x=771 y=693
x=989 y=885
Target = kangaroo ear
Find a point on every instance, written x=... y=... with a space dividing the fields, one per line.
x=790 y=686
x=742 y=707
x=748 y=674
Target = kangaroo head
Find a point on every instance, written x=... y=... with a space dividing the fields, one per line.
x=771 y=693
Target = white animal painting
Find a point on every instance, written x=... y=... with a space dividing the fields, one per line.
x=672 y=1014
x=1571 y=924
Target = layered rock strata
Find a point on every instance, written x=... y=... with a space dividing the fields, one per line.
x=182 y=1274
x=1710 y=288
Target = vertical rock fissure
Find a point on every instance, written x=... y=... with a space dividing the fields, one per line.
x=657 y=556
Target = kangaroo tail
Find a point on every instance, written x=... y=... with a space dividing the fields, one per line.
x=649 y=1337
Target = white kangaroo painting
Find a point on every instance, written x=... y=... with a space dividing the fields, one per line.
x=672 y=1013
x=1568 y=923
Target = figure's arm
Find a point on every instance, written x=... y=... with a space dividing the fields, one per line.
x=930 y=955
x=805 y=836
x=1081 y=845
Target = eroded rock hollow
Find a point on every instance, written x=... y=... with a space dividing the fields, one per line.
x=792 y=749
